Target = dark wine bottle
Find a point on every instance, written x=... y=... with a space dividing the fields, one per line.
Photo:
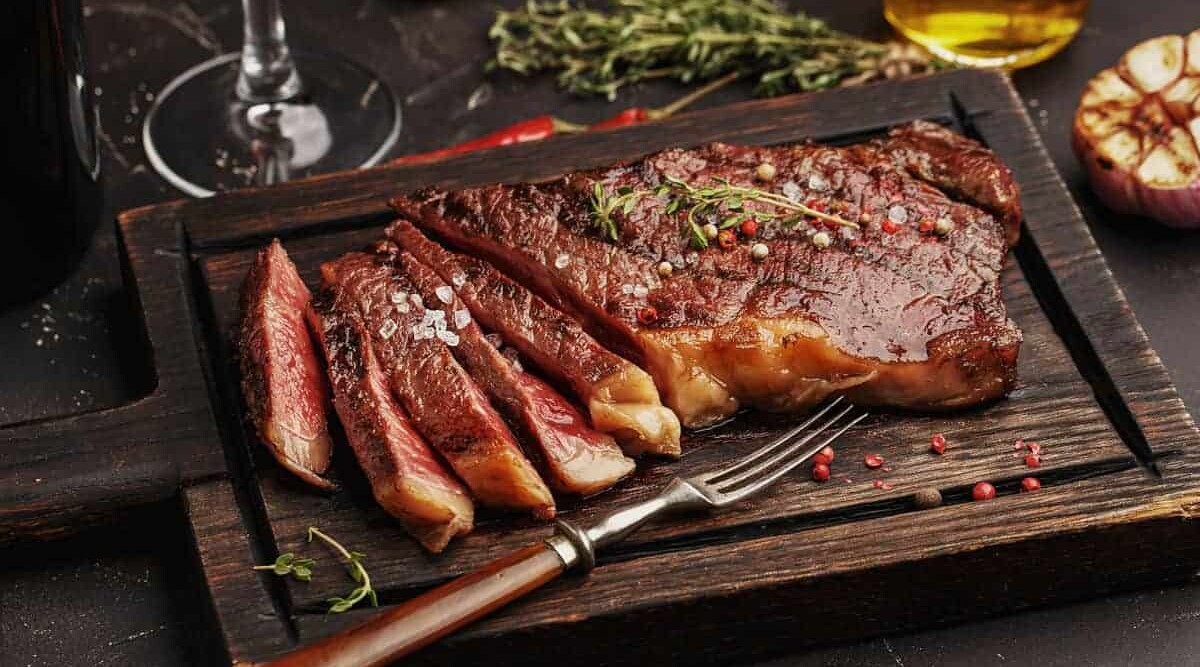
x=51 y=203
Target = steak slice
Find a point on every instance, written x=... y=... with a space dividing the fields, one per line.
x=443 y=402
x=405 y=475
x=282 y=378
x=887 y=314
x=573 y=457
x=621 y=398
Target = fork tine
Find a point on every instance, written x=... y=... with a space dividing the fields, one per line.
x=768 y=462
x=759 y=453
x=774 y=475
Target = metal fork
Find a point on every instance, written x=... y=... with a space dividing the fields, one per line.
x=433 y=615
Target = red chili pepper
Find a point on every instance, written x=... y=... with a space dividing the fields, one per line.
x=925 y=226
x=648 y=315
x=889 y=226
x=542 y=127
x=1033 y=460
x=872 y=460
x=1030 y=484
x=630 y=116
x=825 y=456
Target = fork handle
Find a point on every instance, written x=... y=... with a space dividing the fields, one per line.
x=422 y=620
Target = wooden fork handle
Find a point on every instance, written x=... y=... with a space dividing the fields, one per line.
x=422 y=620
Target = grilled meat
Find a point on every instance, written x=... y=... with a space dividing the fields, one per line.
x=406 y=477
x=621 y=398
x=442 y=400
x=573 y=457
x=282 y=379
x=893 y=313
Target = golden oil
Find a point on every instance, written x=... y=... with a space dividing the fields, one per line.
x=989 y=33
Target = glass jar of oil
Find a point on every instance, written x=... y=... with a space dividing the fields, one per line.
x=989 y=33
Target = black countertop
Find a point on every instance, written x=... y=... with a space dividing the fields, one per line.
x=127 y=593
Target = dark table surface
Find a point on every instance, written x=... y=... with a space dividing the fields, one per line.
x=127 y=593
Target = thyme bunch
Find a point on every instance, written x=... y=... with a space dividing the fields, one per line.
x=722 y=204
x=354 y=564
x=599 y=52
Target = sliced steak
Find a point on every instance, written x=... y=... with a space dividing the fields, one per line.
x=443 y=402
x=282 y=379
x=406 y=477
x=573 y=457
x=888 y=314
x=621 y=398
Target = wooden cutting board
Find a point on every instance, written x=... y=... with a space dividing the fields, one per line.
x=806 y=564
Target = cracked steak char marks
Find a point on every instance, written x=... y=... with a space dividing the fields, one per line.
x=889 y=314
x=444 y=403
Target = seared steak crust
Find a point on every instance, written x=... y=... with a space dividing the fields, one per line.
x=443 y=401
x=620 y=397
x=573 y=457
x=406 y=477
x=282 y=379
x=889 y=314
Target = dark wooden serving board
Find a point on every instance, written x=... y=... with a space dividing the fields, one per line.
x=805 y=564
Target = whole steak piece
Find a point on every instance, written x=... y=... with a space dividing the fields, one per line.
x=282 y=379
x=895 y=301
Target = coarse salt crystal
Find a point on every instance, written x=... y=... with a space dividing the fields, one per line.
x=792 y=191
x=399 y=297
x=387 y=329
x=458 y=279
x=626 y=289
x=462 y=318
x=898 y=214
x=495 y=340
x=640 y=291
x=421 y=331
x=445 y=294
x=818 y=183
x=562 y=260
x=403 y=307
x=417 y=300
x=448 y=337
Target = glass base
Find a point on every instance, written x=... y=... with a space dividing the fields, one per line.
x=203 y=139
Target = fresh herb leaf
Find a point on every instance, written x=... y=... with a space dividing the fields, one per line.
x=288 y=563
x=354 y=561
x=598 y=52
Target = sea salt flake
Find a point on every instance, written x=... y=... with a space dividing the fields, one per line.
x=399 y=297
x=462 y=318
x=448 y=337
x=626 y=289
x=387 y=329
x=792 y=191
x=445 y=294
x=562 y=260
x=817 y=182
x=403 y=307
x=458 y=279
x=418 y=301
x=898 y=214
x=495 y=339
x=640 y=291
x=421 y=332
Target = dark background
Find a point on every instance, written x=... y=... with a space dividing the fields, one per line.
x=127 y=593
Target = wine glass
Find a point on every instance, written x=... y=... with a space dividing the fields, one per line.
x=267 y=114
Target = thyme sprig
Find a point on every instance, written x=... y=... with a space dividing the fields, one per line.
x=288 y=564
x=599 y=52
x=354 y=564
x=721 y=203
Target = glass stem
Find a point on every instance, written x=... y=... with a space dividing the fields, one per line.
x=267 y=72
